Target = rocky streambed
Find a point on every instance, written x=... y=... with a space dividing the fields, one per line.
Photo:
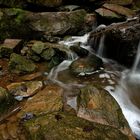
x=54 y=85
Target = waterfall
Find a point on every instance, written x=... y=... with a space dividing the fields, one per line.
x=137 y=60
x=127 y=94
x=100 y=51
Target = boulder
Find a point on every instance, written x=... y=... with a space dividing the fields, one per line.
x=45 y=101
x=81 y=52
x=13 y=24
x=58 y=23
x=85 y=66
x=120 y=10
x=20 y=65
x=97 y=105
x=25 y=89
x=17 y=23
x=51 y=53
x=106 y=13
x=62 y=126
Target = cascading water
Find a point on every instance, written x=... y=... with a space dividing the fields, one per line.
x=135 y=68
x=127 y=95
x=101 y=47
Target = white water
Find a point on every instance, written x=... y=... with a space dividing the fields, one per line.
x=77 y=39
x=127 y=95
x=137 y=61
x=100 y=51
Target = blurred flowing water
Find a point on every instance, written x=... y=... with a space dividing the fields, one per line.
x=126 y=93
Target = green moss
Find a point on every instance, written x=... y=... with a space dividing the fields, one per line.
x=62 y=126
x=19 y=64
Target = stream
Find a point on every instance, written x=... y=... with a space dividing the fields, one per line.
x=125 y=90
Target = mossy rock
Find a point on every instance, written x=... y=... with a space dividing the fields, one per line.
x=45 y=101
x=62 y=126
x=14 y=23
x=20 y=65
x=97 y=105
x=86 y=66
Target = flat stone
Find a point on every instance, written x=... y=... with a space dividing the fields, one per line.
x=47 y=100
x=107 y=13
x=120 y=10
x=9 y=46
x=25 y=89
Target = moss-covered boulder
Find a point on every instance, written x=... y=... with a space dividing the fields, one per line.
x=51 y=53
x=20 y=65
x=45 y=101
x=61 y=126
x=13 y=24
x=58 y=23
x=17 y=23
x=86 y=66
x=97 y=105
x=81 y=52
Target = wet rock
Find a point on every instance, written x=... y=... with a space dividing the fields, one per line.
x=13 y=24
x=86 y=66
x=125 y=38
x=47 y=100
x=65 y=126
x=58 y=23
x=52 y=53
x=97 y=105
x=17 y=23
x=90 y=22
x=120 y=10
x=25 y=89
x=81 y=52
x=9 y=46
x=19 y=64
x=106 y=13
